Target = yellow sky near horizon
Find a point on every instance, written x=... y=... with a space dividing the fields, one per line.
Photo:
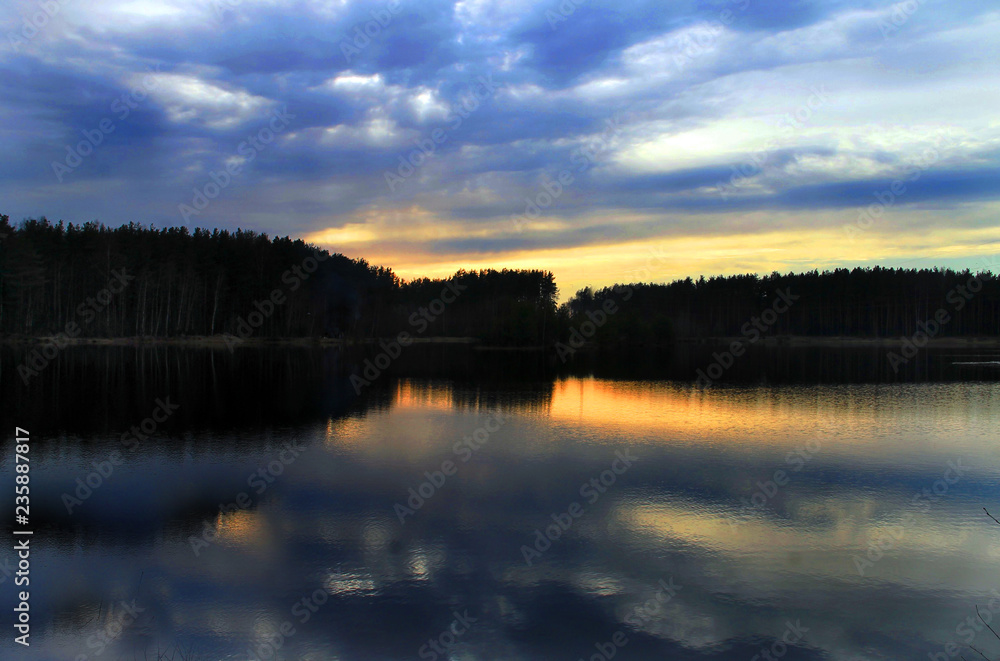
x=410 y=253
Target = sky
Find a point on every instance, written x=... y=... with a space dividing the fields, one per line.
x=624 y=141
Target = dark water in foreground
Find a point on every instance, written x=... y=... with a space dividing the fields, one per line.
x=814 y=505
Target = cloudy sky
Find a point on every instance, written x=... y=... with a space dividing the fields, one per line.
x=606 y=141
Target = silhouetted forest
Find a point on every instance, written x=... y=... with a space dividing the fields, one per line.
x=142 y=281
x=861 y=302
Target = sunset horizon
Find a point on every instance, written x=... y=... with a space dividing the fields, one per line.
x=736 y=137
x=534 y=330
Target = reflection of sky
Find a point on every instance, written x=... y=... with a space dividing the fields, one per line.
x=327 y=523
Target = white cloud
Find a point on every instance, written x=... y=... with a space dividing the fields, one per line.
x=422 y=103
x=189 y=99
x=373 y=132
x=353 y=83
x=426 y=105
x=847 y=106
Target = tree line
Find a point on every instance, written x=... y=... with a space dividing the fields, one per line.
x=215 y=282
x=139 y=281
x=871 y=302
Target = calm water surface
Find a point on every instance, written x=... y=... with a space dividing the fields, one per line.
x=803 y=508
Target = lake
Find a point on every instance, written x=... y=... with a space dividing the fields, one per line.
x=811 y=504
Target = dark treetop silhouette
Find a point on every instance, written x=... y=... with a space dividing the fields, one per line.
x=208 y=283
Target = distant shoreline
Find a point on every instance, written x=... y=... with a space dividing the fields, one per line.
x=221 y=341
